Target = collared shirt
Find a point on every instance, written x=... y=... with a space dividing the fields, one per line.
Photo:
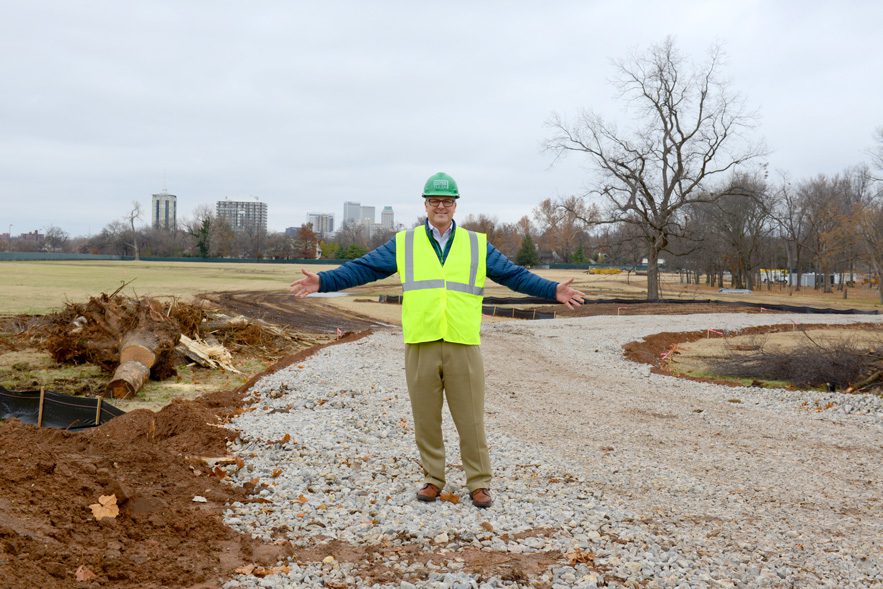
x=441 y=238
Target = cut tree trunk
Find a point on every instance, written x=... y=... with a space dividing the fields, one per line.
x=137 y=356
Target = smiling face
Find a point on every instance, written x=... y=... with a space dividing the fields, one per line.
x=439 y=215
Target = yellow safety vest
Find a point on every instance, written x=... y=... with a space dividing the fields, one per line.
x=441 y=301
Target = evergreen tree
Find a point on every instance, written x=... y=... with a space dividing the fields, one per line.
x=527 y=255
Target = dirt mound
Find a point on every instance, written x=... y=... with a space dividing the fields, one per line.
x=154 y=463
x=161 y=537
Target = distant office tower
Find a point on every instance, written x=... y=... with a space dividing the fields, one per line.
x=244 y=215
x=164 y=209
x=323 y=223
x=352 y=212
x=367 y=216
x=387 y=219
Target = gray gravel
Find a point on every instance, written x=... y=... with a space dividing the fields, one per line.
x=668 y=483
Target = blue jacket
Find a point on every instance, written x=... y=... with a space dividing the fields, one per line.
x=381 y=262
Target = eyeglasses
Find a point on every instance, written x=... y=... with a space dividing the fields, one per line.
x=441 y=202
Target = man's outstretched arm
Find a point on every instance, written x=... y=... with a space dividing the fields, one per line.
x=500 y=269
x=375 y=265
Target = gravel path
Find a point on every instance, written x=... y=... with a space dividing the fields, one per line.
x=605 y=474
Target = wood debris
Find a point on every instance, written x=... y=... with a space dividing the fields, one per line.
x=206 y=355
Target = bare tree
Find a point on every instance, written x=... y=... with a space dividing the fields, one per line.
x=200 y=229
x=132 y=215
x=877 y=152
x=691 y=126
x=789 y=213
x=562 y=225
x=872 y=232
x=740 y=221
x=55 y=239
x=831 y=217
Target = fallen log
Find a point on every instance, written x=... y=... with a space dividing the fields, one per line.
x=207 y=356
x=153 y=336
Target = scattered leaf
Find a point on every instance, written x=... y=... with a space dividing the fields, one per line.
x=284 y=439
x=487 y=526
x=329 y=559
x=106 y=507
x=449 y=497
x=219 y=472
x=580 y=556
x=83 y=574
x=277 y=472
x=302 y=500
x=266 y=571
x=301 y=514
x=322 y=507
x=245 y=570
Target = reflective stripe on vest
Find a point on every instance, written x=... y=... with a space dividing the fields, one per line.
x=410 y=284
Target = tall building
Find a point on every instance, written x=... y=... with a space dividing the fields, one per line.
x=244 y=215
x=164 y=210
x=352 y=212
x=323 y=223
x=367 y=215
x=387 y=219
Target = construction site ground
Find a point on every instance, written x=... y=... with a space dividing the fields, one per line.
x=153 y=459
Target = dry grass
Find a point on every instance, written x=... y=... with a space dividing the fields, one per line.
x=40 y=287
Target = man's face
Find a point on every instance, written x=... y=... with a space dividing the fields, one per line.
x=440 y=210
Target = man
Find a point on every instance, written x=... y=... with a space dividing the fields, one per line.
x=443 y=271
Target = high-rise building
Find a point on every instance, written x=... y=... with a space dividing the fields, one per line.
x=164 y=210
x=387 y=219
x=367 y=215
x=323 y=223
x=244 y=215
x=352 y=212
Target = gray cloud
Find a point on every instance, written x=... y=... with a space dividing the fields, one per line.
x=309 y=104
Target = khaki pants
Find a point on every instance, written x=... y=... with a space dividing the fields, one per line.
x=457 y=370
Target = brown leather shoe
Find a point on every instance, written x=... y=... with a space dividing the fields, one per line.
x=428 y=493
x=481 y=498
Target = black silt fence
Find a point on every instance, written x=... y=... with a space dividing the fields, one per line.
x=55 y=410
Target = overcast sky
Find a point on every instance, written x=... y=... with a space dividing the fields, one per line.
x=308 y=104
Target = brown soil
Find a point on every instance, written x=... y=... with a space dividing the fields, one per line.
x=153 y=463
x=280 y=308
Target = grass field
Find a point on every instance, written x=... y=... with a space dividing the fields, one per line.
x=40 y=287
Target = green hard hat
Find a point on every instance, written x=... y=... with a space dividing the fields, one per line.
x=441 y=185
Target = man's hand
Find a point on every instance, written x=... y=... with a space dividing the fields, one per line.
x=568 y=296
x=306 y=285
